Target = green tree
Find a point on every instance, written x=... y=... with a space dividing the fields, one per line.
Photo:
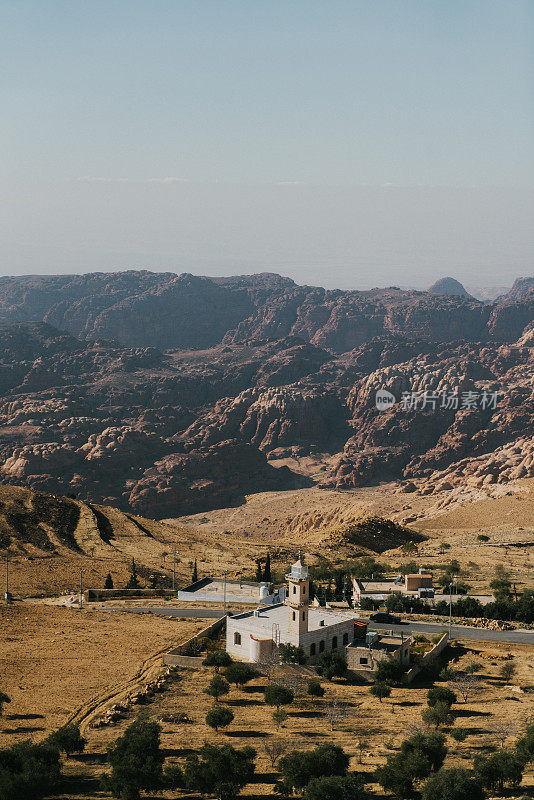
x=331 y=665
x=4 y=698
x=459 y=734
x=499 y=769
x=136 y=761
x=389 y=670
x=221 y=771
x=259 y=572
x=276 y=695
x=217 y=687
x=315 y=689
x=501 y=588
x=298 y=768
x=279 y=717
x=133 y=582
x=291 y=654
x=68 y=739
x=452 y=784
x=431 y=745
x=336 y=787
x=525 y=745
x=440 y=694
x=108 y=584
x=217 y=659
x=419 y=756
x=438 y=714
x=194 y=576
x=28 y=771
x=239 y=673
x=380 y=689
x=219 y=717
x=266 y=576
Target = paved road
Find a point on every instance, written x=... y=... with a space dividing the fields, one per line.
x=458 y=631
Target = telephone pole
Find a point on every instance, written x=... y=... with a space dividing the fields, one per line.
x=7 y=577
x=81 y=588
x=174 y=570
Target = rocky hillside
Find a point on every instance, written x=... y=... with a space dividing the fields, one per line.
x=168 y=395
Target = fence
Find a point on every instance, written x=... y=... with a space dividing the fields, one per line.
x=427 y=659
x=177 y=657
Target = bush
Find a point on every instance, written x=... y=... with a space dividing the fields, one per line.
x=279 y=717
x=483 y=538
x=173 y=777
x=419 y=756
x=108 y=583
x=217 y=659
x=331 y=665
x=291 y=654
x=276 y=695
x=459 y=734
x=452 y=784
x=239 y=673
x=219 y=717
x=28 y=771
x=525 y=745
x=217 y=687
x=68 y=739
x=507 y=670
x=346 y=787
x=499 y=769
x=380 y=689
x=441 y=694
x=431 y=746
x=315 y=689
x=136 y=761
x=220 y=771
x=389 y=671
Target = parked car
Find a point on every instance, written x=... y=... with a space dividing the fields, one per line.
x=389 y=619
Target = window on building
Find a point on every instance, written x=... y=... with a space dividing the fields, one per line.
x=294 y=589
x=312 y=649
x=303 y=616
x=334 y=643
x=321 y=646
x=237 y=638
x=304 y=589
x=364 y=660
x=345 y=638
x=293 y=616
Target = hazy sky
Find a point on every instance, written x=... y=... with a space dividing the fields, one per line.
x=355 y=143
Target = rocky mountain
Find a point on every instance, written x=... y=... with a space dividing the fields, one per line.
x=449 y=286
x=168 y=394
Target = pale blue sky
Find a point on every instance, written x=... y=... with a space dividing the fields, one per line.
x=401 y=132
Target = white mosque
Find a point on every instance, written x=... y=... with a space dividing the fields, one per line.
x=254 y=635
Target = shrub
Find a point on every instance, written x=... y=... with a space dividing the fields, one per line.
x=28 y=771
x=291 y=654
x=239 y=673
x=499 y=769
x=217 y=687
x=108 y=583
x=459 y=734
x=452 y=784
x=419 y=756
x=68 y=739
x=441 y=694
x=315 y=689
x=136 y=761
x=525 y=745
x=173 y=777
x=276 y=695
x=4 y=698
x=217 y=659
x=279 y=717
x=380 y=689
x=483 y=538
x=220 y=771
x=507 y=670
x=219 y=717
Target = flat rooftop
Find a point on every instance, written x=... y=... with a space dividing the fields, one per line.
x=279 y=615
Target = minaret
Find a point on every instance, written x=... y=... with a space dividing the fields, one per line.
x=298 y=598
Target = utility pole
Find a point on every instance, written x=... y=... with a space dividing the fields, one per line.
x=450 y=606
x=174 y=569
x=224 y=592
x=7 y=577
x=81 y=588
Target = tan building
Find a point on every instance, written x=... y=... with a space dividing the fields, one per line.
x=418 y=584
x=364 y=656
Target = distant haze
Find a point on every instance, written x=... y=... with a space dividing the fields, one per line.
x=344 y=144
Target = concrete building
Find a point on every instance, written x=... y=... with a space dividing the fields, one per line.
x=363 y=656
x=416 y=585
x=254 y=635
x=217 y=590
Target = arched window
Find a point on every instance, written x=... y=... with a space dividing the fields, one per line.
x=345 y=638
x=312 y=649
x=237 y=638
x=321 y=646
x=334 y=643
x=293 y=616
